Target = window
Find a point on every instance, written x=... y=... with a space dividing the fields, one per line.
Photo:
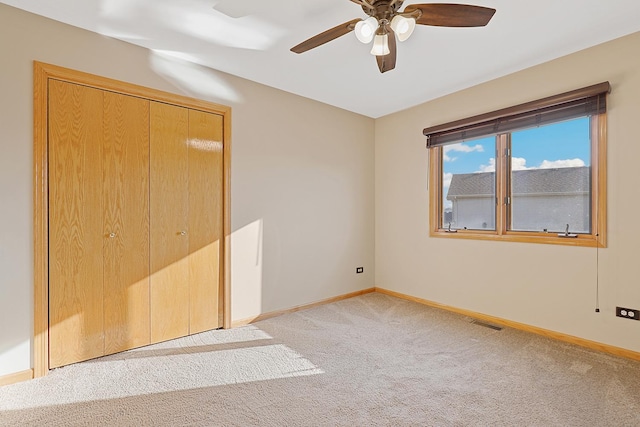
x=529 y=173
x=469 y=185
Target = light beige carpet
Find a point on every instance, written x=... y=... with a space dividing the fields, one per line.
x=373 y=360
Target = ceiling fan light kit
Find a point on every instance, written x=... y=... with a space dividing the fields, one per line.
x=403 y=26
x=386 y=23
x=365 y=30
x=380 y=45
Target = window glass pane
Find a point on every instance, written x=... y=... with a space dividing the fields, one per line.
x=551 y=178
x=469 y=185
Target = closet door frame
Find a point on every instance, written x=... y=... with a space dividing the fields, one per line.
x=42 y=73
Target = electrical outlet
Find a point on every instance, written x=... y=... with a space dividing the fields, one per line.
x=359 y=270
x=628 y=313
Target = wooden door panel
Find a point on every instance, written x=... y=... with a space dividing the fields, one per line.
x=126 y=222
x=205 y=219
x=169 y=174
x=75 y=223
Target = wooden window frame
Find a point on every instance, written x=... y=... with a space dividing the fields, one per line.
x=596 y=238
x=42 y=73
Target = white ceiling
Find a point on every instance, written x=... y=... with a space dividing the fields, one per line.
x=252 y=38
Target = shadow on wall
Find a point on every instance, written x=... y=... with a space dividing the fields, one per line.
x=195 y=80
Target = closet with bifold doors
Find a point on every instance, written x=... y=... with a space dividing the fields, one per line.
x=136 y=214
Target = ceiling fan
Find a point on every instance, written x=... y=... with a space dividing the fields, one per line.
x=386 y=23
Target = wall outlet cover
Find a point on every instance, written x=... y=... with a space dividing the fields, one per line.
x=628 y=313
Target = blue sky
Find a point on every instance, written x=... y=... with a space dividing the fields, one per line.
x=556 y=144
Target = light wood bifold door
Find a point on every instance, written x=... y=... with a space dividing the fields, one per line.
x=126 y=222
x=186 y=220
x=76 y=242
x=136 y=230
x=205 y=220
x=98 y=222
x=169 y=221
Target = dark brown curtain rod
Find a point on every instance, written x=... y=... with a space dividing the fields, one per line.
x=484 y=124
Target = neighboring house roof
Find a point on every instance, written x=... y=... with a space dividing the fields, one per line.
x=575 y=180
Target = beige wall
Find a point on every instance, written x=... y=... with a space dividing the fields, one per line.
x=552 y=287
x=302 y=177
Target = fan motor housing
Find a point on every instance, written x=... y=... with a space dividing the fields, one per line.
x=382 y=9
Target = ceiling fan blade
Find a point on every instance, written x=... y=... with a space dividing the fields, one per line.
x=388 y=62
x=451 y=15
x=326 y=36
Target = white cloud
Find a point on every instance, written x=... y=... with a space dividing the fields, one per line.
x=519 y=164
x=491 y=167
x=460 y=148
x=568 y=163
x=446 y=181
